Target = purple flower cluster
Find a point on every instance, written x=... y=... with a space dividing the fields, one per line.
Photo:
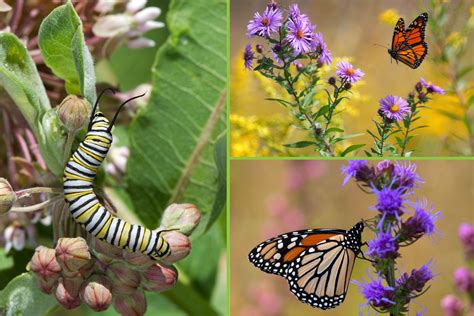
x=393 y=184
x=289 y=37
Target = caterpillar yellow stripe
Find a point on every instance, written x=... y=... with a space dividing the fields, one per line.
x=84 y=206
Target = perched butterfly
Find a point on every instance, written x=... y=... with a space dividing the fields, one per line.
x=409 y=46
x=316 y=262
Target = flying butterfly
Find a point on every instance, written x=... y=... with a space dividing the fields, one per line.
x=85 y=208
x=409 y=46
x=317 y=263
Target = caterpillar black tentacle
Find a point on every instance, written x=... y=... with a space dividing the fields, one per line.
x=84 y=205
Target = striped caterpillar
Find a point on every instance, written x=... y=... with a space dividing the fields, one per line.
x=84 y=205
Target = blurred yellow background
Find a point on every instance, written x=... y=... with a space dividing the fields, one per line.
x=273 y=197
x=350 y=28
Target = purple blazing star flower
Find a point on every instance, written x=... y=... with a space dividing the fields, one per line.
x=355 y=169
x=266 y=24
x=385 y=165
x=389 y=202
x=384 y=246
x=395 y=108
x=422 y=222
x=249 y=56
x=431 y=87
x=300 y=34
x=464 y=280
x=325 y=56
x=347 y=72
x=406 y=176
x=451 y=305
x=376 y=293
x=466 y=234
x=417 y=279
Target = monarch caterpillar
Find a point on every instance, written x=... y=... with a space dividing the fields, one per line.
x=316 y=262
x=84 y=206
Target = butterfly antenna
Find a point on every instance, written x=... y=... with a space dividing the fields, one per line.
x=97 y=103
x=120 y=108
x=375 y=44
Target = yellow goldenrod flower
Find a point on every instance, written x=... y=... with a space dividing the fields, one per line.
x=389 y=17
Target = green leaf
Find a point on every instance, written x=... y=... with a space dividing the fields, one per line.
x=351 y=148
x=63 y=48
x=172 y=140
x=22 y=297
x=52 y=137
x=300 y=144
x=20 y=78
x=221 y=195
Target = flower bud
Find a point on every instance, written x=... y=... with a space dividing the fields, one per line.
x=419 y=87
x=112 y=25
x=73 y=113
x=411 y=95
x=135 y=5
x=179 y=244
x=464 y=280
x=97 y=293
x=141 y=42
x=67 y=292
x=106 y=252
x=347 y=86
x=147 y=14
x=72 y=254
x=332 y=81
x=44 y=263
x=184 y=217
x=124 y=280
x=7 y=196
x=140 y=261
x=466 y=235
x=159 y=278
x=451 y=305
x=422 y=96
x=259 y=48
x=134 y=304
x=15 y=237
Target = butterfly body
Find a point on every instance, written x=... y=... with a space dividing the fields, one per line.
x=408 y=45
x=316 y=262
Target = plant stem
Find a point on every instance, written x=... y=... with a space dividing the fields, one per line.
x=383 y=137
x=67 y=149
x=35 y=207
x=27 y=192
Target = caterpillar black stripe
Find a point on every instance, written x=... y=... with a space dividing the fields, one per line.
x=84 y=206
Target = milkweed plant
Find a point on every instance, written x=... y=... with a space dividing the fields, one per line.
x=41 y=64
x=292 y=55
x=401 y=220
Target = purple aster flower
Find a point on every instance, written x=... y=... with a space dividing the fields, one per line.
x=266 y=24
x=300 y=34
x=325 y=56
x=466 y=234
x=384 y=246
x=451 y=305
x=295 y=12
x=422 y=222
x=377 y=294
x=431 y=87
x=249 y=56
x=406 y=176
x=347 y=72
x=357 y=169
x=464 y=280
x=417 y=279
x=393 y=107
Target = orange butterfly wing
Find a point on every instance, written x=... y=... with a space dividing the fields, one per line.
x=409 y=46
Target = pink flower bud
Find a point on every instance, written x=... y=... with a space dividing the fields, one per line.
x=159 y=278
x=147 y=14
x=466 y=234
x=97 y=293
x=150 y=25
x=44 y=263
x=131 y=305
x=139 y=261
x=179 y=244
x=141 y=42
x=15 y=237
x=47 y=285
x=107 y=252
x=112 y=25
x=135 y=5
x=72 y=254
x=464 y=280
x=67 y=292
x=73 y=112
x=184 y=217
x=124 y=279
x=7 y=196
x=451 y=305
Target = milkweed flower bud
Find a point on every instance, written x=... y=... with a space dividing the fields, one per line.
x=159 y=278
x=124 y=280
x=179 y=244
x=184 y=217
x=67 y=292
x=134 y=304
x=15 y=237
x=46 y=268
x=97 y=293
x=138 y=260
x=72 y=254
x=73 y=112
x=7 y=196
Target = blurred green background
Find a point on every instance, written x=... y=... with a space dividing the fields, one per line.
x=351 y=29
x=273 y=197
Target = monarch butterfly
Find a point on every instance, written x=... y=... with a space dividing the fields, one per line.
x=316 y=262
x=409 y=46
x=84 y=206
